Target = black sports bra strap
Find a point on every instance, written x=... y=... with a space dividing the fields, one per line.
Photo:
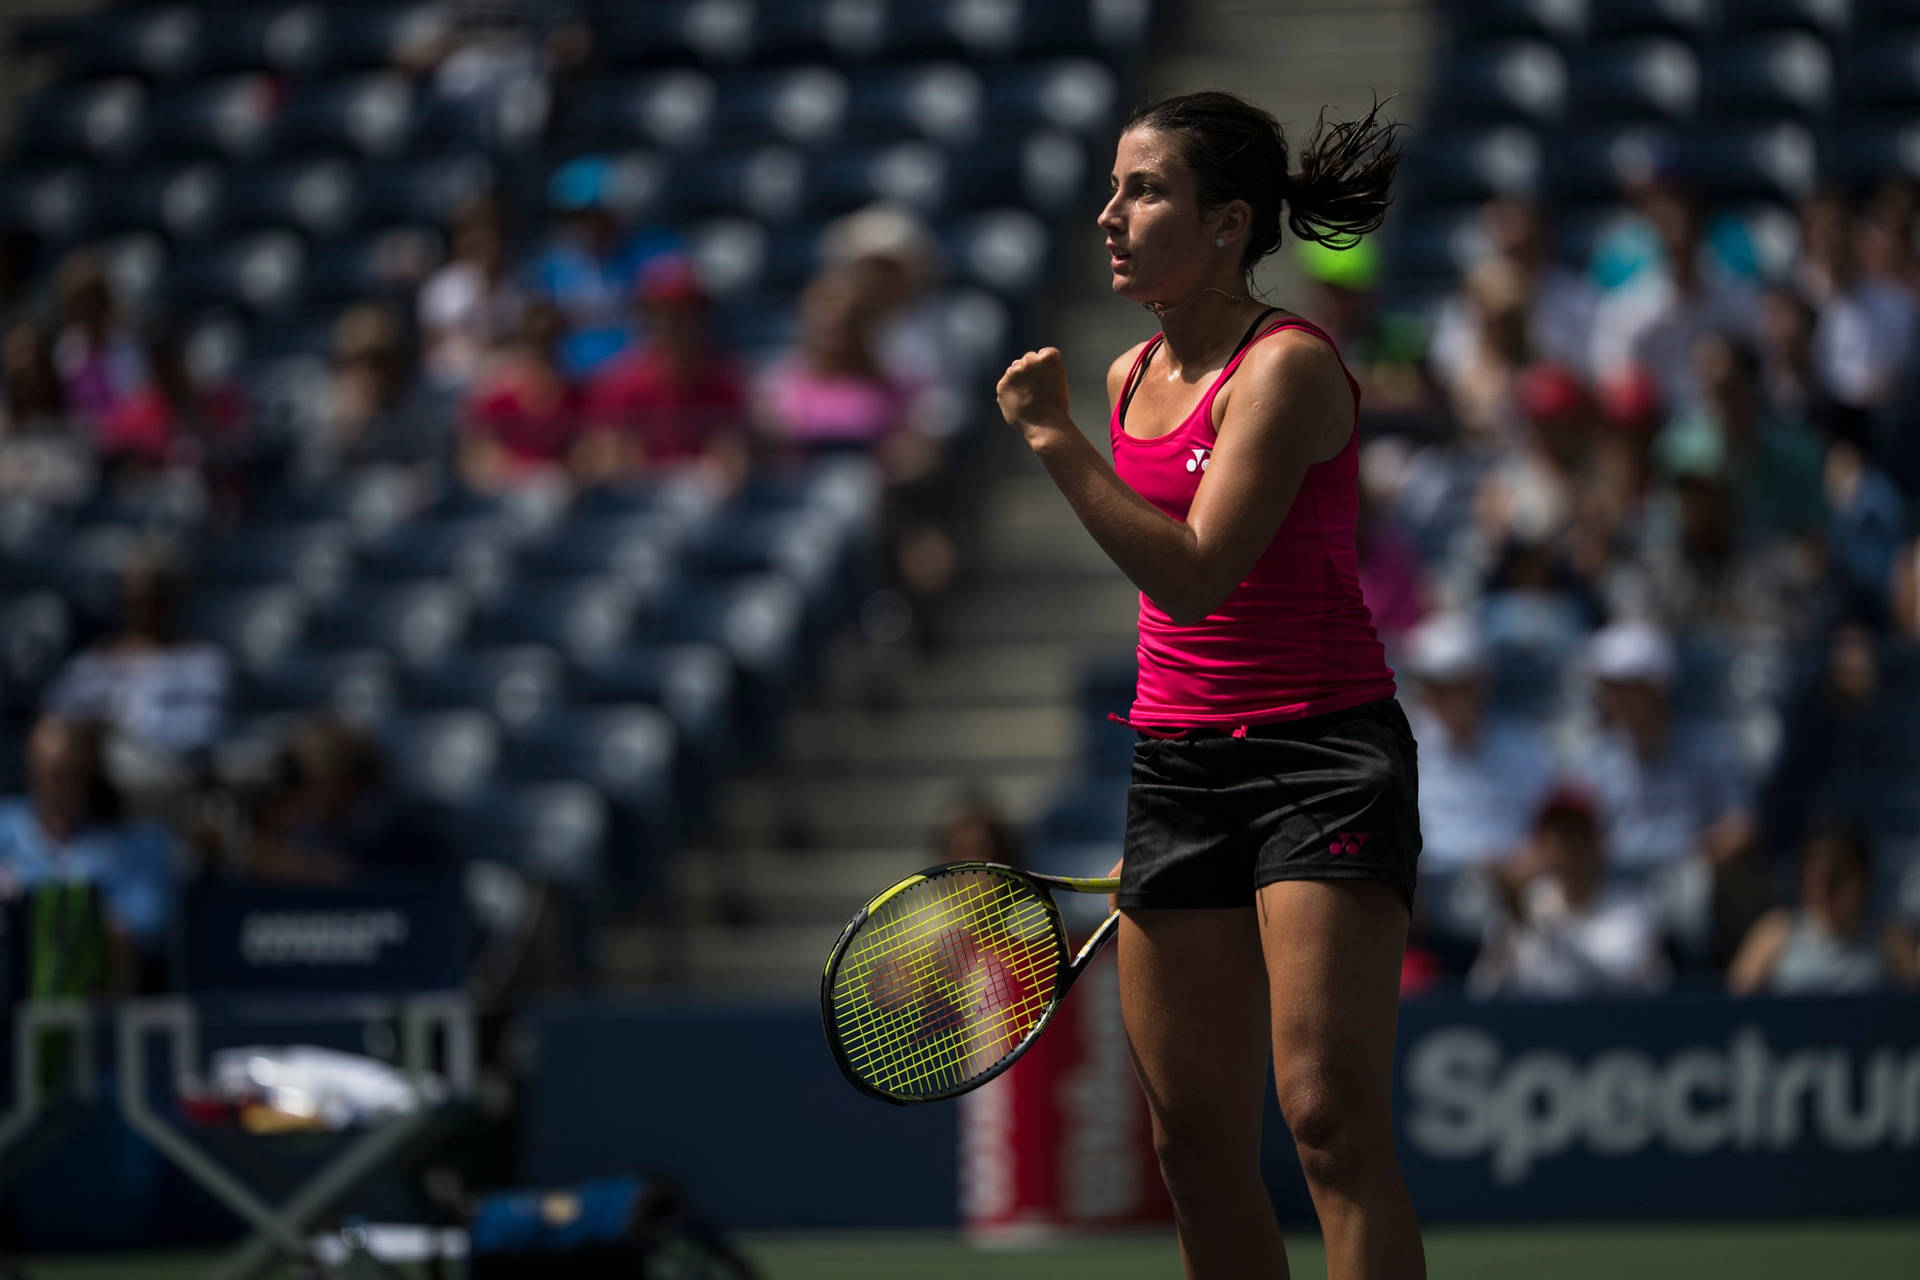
x=1139 y=371
x=1136 y=376
x=1252 y=329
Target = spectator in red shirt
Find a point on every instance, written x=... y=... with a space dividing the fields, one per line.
x=525 y=420
x=171 y=419
x=674 y=400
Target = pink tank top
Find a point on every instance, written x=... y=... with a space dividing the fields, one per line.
x=1295 y=638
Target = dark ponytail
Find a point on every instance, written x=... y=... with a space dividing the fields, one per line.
x=1237 y=151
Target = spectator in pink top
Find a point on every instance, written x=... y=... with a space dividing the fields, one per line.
x=831 y=393
x=675 y=399
x=526 y=417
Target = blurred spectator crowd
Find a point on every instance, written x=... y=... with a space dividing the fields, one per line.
x=1638 y=356
x=1638 y=505
x=438 y=436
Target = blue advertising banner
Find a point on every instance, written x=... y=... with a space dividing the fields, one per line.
x=403 y=934
x=1693 y=1106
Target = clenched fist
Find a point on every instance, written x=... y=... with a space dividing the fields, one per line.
x=1033 y=390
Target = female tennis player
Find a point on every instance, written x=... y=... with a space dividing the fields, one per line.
x=1271 y=822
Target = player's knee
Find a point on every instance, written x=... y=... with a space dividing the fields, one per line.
x=1330 y=1128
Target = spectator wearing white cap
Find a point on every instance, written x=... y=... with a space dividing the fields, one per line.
x=1481 y=775
x=1674 y=798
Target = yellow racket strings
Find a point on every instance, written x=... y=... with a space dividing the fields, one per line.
x=944 y=980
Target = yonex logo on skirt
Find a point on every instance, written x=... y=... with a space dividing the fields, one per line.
x=1347 y=842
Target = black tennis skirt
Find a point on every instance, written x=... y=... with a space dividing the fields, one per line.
x=1213 y=817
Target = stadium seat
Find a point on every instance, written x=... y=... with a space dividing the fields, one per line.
x=1522 y=79
x=1079 y=95
x=1778 y=160
x=1864 y=155
x=1441 y=242
x=320 y=197
x=1604 y=163
x=944 y=101
x=693 y=683
x=233 y=117
x=1045 y=168
x=37 y=631
x=1884 y=72
x=1644 y=79
x=630 y=756
x=768 y=182
x=581 y=617
x=314 y=558
x=361 y=686
x=101 y=119
x=1833 y=19
x=1684 y=19
x=166 y=43
x=1006 y=250
x=475 y=552
x=914 y=173
x=515 y=685
x=757 y=620
x=1111 y=28
x=804 y=105
x=257 y=626
x=809 y=548
x=677 y=32
x=556 y=832
x=673 y=109
x=448 y=757
x=379 y=35
x=288 y=38
x=390 y=263
x=263 y=273
x=424 y=189
x=739 y=255
x=370 y=115
x=643 y=551
x=419 y=622
x=55 y=204
x=187 y=202
x=370 y=499
x=1564 y=20
x=1779 y=74
x=523 y=513
x=1473 y=164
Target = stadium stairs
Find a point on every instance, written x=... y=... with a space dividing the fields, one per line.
x=854 y=797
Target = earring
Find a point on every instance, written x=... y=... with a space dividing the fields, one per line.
x=1221 y=241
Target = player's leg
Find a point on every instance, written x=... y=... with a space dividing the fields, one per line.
x=1333 y=951
x=1194 y=994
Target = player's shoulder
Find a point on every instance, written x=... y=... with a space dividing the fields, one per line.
x=1292 y=355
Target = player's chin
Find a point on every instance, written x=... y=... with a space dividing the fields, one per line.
x=1126 y=284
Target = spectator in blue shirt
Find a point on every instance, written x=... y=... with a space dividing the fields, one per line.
x=589 y=269
x=1674 y=798
x=67 y=830
x=1481 y=775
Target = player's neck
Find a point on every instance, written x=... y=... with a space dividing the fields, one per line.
x=1201 y=331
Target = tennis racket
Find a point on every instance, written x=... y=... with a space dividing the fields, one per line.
x=942 y=982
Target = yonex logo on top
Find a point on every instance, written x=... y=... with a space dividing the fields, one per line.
x=1199 y=460
x=1347 y=842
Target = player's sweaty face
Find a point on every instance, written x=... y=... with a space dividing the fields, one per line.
x=1156 y=243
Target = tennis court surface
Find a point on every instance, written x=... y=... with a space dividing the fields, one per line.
x=1830 y=1251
